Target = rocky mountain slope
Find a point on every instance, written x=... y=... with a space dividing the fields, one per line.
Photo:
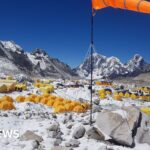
x=112 y=67
x=13 y=60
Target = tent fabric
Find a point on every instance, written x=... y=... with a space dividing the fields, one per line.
x=133 y=5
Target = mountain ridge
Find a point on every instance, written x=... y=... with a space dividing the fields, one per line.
x=15 y=60
x=112 y=67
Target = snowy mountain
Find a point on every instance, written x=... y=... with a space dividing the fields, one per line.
x=13 y=60
x=112 y=67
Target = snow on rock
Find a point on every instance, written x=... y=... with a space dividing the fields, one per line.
x=12 y=46
x=121 y=112
x=111 y=67
x=78 y=132
x=37 y=63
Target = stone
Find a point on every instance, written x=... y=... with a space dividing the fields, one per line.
x=35 y=144
x=79 y=132
x=67 y=118
x=120 y=129
x=54 y=127
x=96 y=101
x=54 y=134
x=94 y=133
x=5 y=115
x=54 y=116
x=57 y=142
x=61 y=148
x=96 y=108
x=29 y=135
x=72 y=143
x=85 y=122
x=69 y=125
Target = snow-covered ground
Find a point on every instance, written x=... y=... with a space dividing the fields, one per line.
x=38 y=118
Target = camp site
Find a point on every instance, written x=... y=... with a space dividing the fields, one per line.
x=75 y=75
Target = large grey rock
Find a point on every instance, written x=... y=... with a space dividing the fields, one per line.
x=116 y=126
x=79 y=132
x=72 y=143
x=29 y=135
x=94 y=133
x=134 y=115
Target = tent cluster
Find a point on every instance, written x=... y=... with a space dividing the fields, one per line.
x=139 y=94
x=20 y=87
x=103 y=83
x=6 y=103
x=146 y=110
x=59 y=104
x=8 y=85
x=44 y=87
x=6 y=88
x=103 y=93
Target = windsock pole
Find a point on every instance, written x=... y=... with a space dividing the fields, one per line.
x=91 y=81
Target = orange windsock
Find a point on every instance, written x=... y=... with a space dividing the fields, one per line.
x=134 y=5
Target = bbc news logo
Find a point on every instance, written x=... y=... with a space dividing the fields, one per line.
x=9 y=134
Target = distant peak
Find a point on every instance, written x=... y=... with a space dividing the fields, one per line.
x=11 y=45
x=39 y=52
x=137 y=57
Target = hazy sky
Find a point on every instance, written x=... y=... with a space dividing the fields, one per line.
x=62 y=28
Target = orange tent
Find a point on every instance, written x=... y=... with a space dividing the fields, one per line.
x=134 y=5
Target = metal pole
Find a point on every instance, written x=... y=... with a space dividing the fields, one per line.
x=91 y=82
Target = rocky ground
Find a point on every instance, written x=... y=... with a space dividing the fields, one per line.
x=117 y=125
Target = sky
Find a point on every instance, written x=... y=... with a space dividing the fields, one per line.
x=62 y=29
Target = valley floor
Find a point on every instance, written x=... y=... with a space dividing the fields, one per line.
x=38 y=118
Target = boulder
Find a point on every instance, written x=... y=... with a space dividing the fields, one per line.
x=119 y=125
x=69 y=125
x=79 y=132
x=54 y=134
x=35 y=144
x=133 y=116
x=67 y=118
x=96 y=101
x=94 y=133
x=57 y=142
x=72 y=143
x=29 y=135
x=96 y=108
x=54 y=127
